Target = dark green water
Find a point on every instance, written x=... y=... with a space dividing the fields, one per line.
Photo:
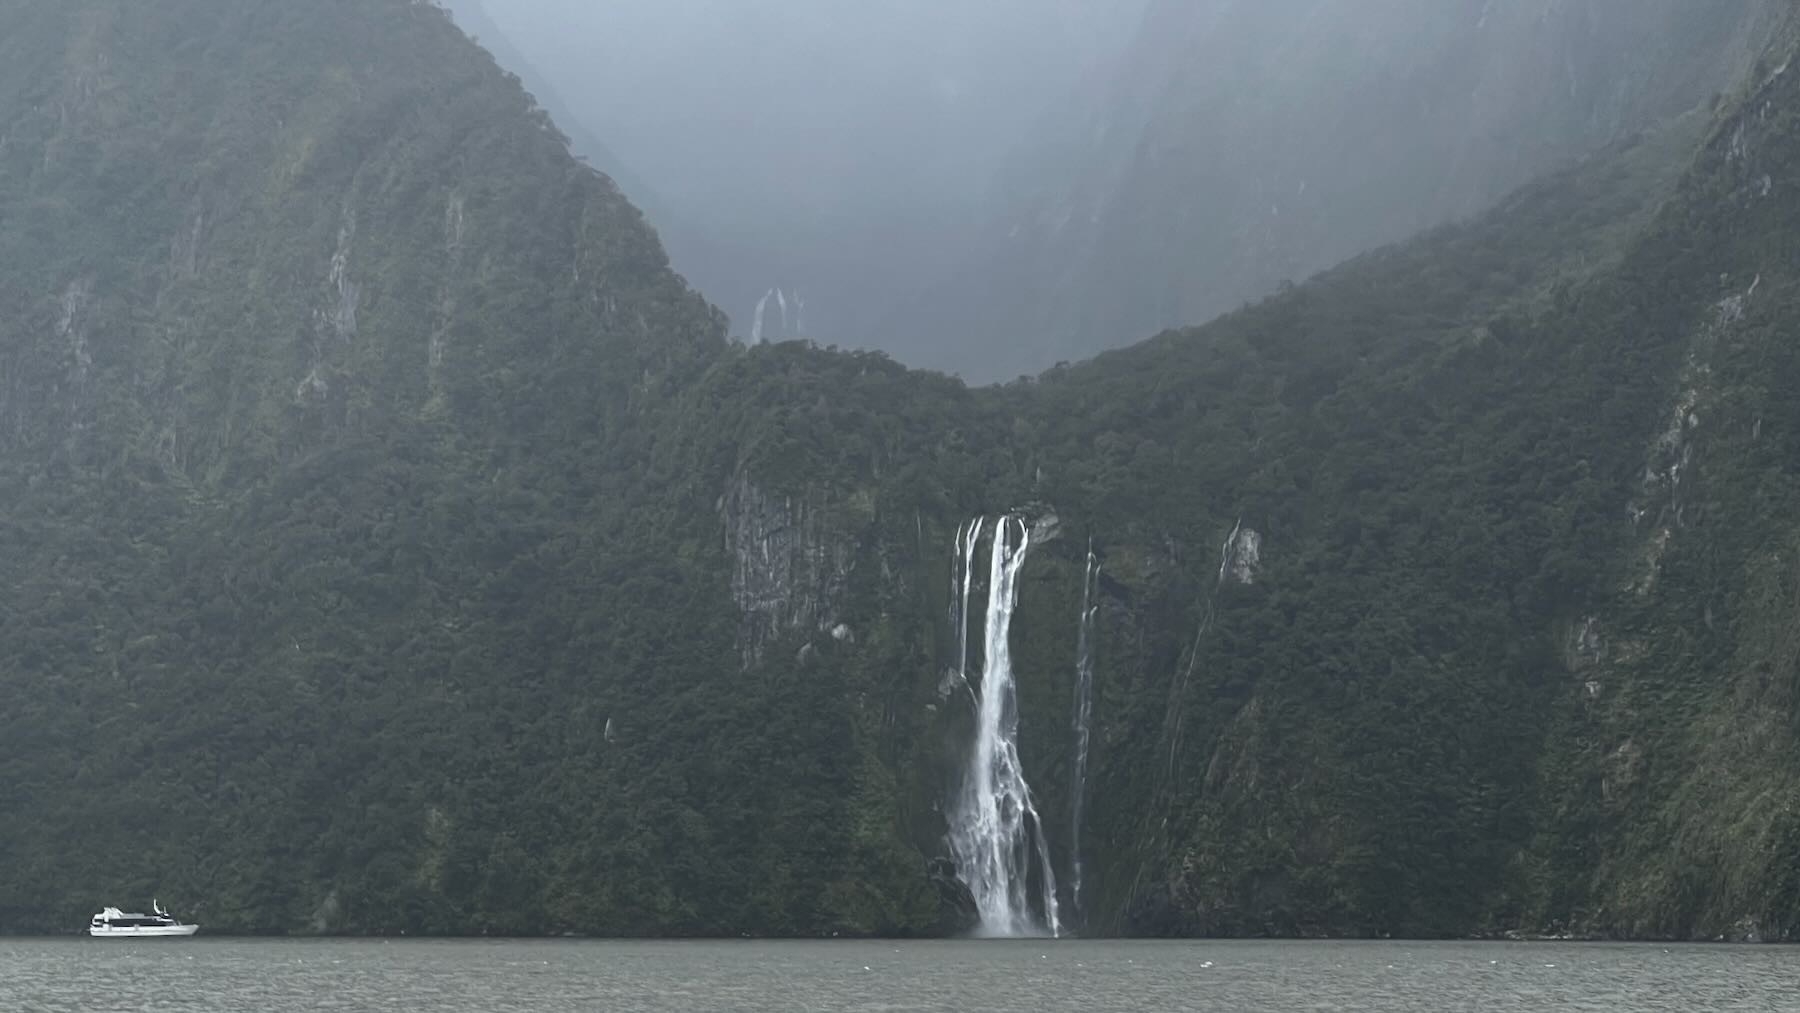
x=202 y=975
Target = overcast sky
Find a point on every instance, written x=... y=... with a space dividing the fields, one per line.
x=811 y=103
x=827 y=145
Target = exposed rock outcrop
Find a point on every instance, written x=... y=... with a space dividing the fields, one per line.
x=789 y=568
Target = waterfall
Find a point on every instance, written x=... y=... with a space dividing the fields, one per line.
x=995 y=832
x=1225 y=553
x=792 y=308
x=1172 y=720
x=962 y=575
x=1084 y=717
x=756 y=330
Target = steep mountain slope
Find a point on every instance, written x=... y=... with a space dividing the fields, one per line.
x=1672 y=805
x=1383 y=712
x=473 y=18
x=393 y=543
x=323 y=363
x=1338 y=730
x=1243 y=144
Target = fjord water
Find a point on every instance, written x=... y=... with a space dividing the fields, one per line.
x=203 y=976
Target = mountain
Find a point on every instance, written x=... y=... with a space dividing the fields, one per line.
x=1241 y=145
x=394 y=543
x=473 y=18
x=285 y=289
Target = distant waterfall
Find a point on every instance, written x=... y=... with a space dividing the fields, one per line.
x=1084 y=718
x=792 y=325
x=1238 y=559
x=995 y=832
x=756 y=328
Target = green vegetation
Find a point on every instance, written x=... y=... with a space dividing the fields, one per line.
x=393 y=544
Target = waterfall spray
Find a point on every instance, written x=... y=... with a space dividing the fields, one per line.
x=1084 y=717
x=995 y=831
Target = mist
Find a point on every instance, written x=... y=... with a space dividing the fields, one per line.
x=989 y=188
x=838 y=152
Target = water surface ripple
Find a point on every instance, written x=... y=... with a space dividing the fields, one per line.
x=204 y=975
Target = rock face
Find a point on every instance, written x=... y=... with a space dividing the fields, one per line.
x=1242 y=558
x=789 y=569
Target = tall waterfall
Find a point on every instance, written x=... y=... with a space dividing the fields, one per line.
x=995 y=832
x=1084 y=718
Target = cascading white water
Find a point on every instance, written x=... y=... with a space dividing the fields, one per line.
x=756 y=327
x=995 y=831
x=1084 y=717
x=792 y=308
x=966 y=539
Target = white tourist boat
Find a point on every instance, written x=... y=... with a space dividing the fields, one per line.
x=113 y=923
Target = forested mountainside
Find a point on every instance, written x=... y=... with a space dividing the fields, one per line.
x=1240 y=144
x=394 y=544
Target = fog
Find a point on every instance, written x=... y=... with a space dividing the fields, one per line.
x=840 y=151
x=990 y=186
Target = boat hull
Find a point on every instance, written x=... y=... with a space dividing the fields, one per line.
x=143 y=932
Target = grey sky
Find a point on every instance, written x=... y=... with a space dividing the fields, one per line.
x=827 y=145
x=989 y=186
